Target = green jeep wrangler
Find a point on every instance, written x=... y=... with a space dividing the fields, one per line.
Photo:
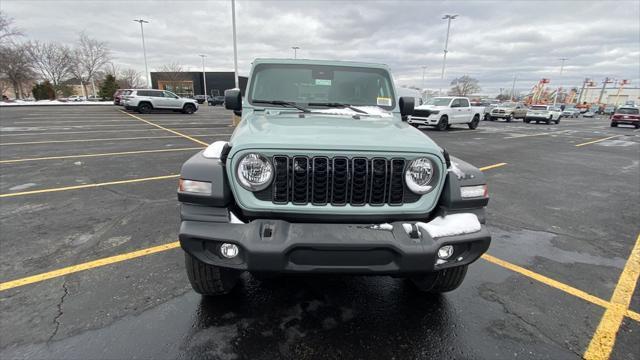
x=323 y=175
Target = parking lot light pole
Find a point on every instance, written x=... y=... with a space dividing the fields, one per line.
x=555 y=97
x=235 y=45
x=144 y=49
x=424 y=68
x=295 y=51
x=204 y=77
x=447 y=17
x=513 y=88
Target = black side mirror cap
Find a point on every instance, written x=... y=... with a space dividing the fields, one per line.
x=406 y=106
x=233 y=99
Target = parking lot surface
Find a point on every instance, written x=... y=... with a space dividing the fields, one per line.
x=90 y=268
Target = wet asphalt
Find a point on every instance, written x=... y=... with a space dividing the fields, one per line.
x=565 y=212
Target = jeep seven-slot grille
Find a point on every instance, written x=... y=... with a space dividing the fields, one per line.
x=337 y=181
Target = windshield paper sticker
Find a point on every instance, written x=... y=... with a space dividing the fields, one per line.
x=323 y=82
x=383 y=101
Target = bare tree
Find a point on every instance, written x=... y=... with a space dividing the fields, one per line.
x=90 y=56
x=464 y=86
x=111 y=69
x=52 y=60
x=7 y=30
x=130 y=79
x=16 y=67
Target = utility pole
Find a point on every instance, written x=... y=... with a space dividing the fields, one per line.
x=295 y=51
x=424 y=68
x=513 y=88
x=555 y=97
x=235 y=45
x=204 y=79
x=447 y=17
x=144 y=49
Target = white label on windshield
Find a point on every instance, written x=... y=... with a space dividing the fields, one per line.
x=323 y=82
x=383 y=101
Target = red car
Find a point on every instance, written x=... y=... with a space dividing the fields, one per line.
x=117 y=96
x=626 y=115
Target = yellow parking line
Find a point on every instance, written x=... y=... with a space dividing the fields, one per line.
x=547 y=281
x=85 y=186
x=604 y=338
x=492 y=166
x=103 y=139
x=98 y=155
x=597 y=141
x=633 y=315
x=167 y=129
x=86 y=266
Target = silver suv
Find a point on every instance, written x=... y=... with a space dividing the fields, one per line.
x=145 y=100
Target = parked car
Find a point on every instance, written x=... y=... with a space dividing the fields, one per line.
x=75 y=98
x=507 y=111
x=609 y=110
x=589 y=114
x=338 y=185
x=627 y=115
x=200 y=99
x=570 y=112
x=146 y=100
x=546 y=113
x=442 y=112
x=216 y=100
x=117 y=96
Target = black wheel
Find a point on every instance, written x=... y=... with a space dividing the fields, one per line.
x=440 y=281
x=485 y=117
x=509 y=118
x=208 y=279
x=558 y=121
x=637 y=126
x=526 y=121
x=615 y=124
x=474 y=123
x=189 y=109
x=537 y=121
x=443 y=124
x=491 y=118
x=549 y=120
x=415 y=125
x=144 y=108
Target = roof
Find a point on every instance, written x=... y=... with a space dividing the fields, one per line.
x=320 y=62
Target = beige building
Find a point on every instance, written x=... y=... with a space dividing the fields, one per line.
x=611 y=95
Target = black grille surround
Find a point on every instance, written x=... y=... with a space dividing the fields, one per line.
x=422 y=113
x=338 y=181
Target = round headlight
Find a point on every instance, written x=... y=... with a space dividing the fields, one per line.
x=254 y=172
x=419 y=176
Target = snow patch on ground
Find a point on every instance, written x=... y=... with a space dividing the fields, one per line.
x=53 y=102
x=22 y=187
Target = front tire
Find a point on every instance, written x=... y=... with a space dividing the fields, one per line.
x=210 y=280
x=549 y=120
x=440 y=281
x=189 y=109
x=509 y=118
x=443 y=124
x=474 y=123
x=615 y=124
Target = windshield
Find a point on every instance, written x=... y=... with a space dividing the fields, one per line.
x=321 y=85
x=538 y=107
x=508 y=105
x=439 y=101
x=630 y=111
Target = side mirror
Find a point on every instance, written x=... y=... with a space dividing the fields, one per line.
x=233 y=99
x=406 y=106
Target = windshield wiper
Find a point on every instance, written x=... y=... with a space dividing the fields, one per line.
x=282 y=103
x=336 y=104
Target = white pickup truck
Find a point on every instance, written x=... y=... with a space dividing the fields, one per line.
x=442 y=112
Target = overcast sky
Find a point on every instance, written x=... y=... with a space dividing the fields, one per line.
x=490 y=41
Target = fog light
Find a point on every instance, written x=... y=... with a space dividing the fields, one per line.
x=229 y=250
x=445 y=252
x=474 y=191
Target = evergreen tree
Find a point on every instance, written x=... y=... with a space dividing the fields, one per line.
x=44 y=91
x=108 y=88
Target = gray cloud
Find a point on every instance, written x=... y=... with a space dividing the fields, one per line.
x=491 y=41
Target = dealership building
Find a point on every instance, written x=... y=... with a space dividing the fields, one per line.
x=189 y=83
x=610 y=95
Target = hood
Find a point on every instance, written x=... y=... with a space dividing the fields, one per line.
x=287 y=130
x=431 y=107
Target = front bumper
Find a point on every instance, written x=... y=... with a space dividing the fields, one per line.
x=625 y=121
x=420 y=120
x=285 y=247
